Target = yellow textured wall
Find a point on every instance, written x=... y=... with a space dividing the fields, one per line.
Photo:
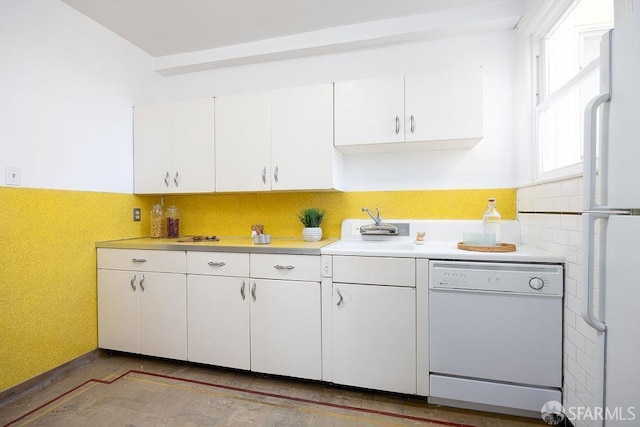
x=233 y=214
x=48 y=273
x=48 y=266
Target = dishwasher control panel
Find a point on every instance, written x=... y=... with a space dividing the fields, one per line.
x=546 y=279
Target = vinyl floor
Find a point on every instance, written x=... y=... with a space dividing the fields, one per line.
x=117 y=389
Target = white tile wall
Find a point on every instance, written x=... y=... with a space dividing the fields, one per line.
x=550 y=220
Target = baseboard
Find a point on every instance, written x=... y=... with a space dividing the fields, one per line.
x=45 y=378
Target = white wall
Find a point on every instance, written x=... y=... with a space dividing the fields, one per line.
x=491 y=163
x=68 y=85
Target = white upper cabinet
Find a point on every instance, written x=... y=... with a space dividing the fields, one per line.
x=277 y=140
x=440 y=109
x=369 y=111
x=242 y=138
x=302 y=153
x=174 y=147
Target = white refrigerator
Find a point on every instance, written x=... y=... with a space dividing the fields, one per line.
x=611 y=225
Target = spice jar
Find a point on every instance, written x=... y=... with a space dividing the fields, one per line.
x=173 y=222
x=158 y=228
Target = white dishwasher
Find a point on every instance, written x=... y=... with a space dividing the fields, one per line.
x=495 y=335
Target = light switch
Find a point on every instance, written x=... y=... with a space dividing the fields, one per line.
x=12 y=175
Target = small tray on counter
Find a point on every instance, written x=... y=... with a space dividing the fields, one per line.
x=500 y=247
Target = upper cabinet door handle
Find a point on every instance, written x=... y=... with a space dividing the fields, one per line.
x=166 y=179
x=397 y=125
x=275 y=174
x=413 y=124
x=264 y=175
x=176 y=179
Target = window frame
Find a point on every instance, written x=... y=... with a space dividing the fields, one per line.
x=543 y=99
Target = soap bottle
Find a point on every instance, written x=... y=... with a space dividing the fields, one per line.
x=491 y=220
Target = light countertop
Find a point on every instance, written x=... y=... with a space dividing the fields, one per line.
x=438 y=250
x=224 y=244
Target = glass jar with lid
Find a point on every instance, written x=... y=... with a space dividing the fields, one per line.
x=158 y=228
x=173 y=222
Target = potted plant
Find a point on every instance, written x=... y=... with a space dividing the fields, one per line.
x=311 y=218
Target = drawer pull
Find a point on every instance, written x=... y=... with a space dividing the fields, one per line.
x=138 y=260
x=283 y=267
x=216 y=264
x=242 y=290
x=340 y=295
x=133 y=282
x=142 y=282
x=253 y=291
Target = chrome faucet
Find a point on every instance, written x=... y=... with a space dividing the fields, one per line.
x=376 y=219
x=378 y=227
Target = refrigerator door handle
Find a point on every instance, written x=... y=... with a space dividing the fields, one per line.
x=589 y=153
x=588 y=229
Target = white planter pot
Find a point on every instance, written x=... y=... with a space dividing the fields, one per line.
x=312 y=234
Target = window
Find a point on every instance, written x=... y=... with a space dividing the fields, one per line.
x=568 y=80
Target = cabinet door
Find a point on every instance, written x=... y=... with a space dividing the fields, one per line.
x=152 y=132
x=192 y=155
x=163 y=315
x=369 y=111
x=302 y=151
x=445 y=105
x=218 y=321
x=286 y=328
x=242 y=135
x=173 y=149
x=118 y=311
x=374 y=337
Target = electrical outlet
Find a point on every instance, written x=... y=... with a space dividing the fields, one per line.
x=12 y=175
x=355 y=229
x=136 y=214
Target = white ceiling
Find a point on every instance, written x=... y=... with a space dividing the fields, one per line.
x=168 y=27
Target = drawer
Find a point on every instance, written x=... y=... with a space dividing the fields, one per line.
x=142 y=260
x=374 y=270
x=283 y=266
x=218 y=263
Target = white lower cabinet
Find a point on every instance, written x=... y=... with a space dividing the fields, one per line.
x=218 y=319
x=142 y=312
x=218 y=309
x=374 y=323
x=286 y=328
x=248 y=318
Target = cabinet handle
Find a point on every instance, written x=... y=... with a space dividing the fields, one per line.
x=283 y=267
x=340 y=295
x=142 y=282
x=275 y=174
x=242 y=290
x=253 y=291
x=397 y=125
x=138 y=260
x=176 y=179
x=264 y=175
x=166 y=179
x=133 y=282
x=216 y=264
x=413 y=124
